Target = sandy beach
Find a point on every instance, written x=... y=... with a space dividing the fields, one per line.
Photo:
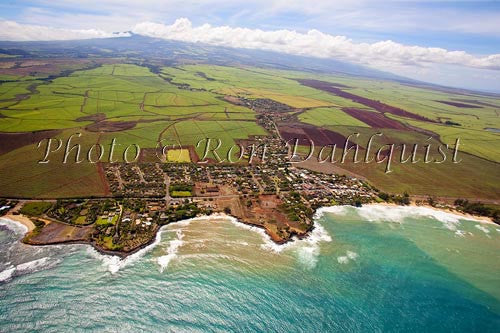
x=24 y=220
x=482 y=219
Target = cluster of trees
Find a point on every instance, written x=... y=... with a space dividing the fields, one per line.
x=296 y=209
x=181 y=187
x=452 y=123
x=35 y=208
x=182 y=212
x=137 y=206
x=395 y=198
x=478 y=208
x=6 y=203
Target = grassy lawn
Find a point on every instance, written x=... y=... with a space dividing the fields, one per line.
x=106 y=220
x=181 y=194
x=35 y=208
x=108 y=243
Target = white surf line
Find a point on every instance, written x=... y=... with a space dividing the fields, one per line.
x=6 y=274
x=172 y=250
x=114 y=263
x=396 y=214
x=307 y=248
x=27 y=267
x=13 y=225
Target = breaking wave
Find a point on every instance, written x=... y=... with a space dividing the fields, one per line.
x=172 y=249
x=397 y=214
x=6 y=275
x=307 y=249
x=27 y=267
x=349 y=256
x=482 y=228
x=17 y=227
x=114 y=263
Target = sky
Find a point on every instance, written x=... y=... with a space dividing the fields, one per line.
x=453 y=43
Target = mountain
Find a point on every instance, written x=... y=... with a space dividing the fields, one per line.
x=170 y=52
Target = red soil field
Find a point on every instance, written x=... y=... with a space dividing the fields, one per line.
x=373 y=119
x=474 y=101
x=110 y=126
x=93 y=117
x=12 y=141
x=377 y=105
x=461 y=105
x=307 y=133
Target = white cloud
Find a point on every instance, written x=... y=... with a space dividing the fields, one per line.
x=371 y=16
x=437 y=65
x=13 y=31
x=383 y=54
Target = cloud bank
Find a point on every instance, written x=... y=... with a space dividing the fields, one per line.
x=316 y=44
x=387 y=54
x=13 y=31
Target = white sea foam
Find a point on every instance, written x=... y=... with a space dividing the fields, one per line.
x=349 y=256
x=482 y=228
x=460 y=233
x=27 y=267
x=15 y=226
x=7 y=274
x=172 y=250
x=115 y=263
x=307 y=249
x=397 y=214
x=308 y=256
x=352 y=255
x=33 y=265
x=343 y=260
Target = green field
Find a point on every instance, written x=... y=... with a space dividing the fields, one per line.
x=329 y=117
x=35 y=208
x=184 y=105
x=180 y=194
x=107 y=220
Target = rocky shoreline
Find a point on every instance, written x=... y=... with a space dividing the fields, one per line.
x=50 y=237
x=55 y=232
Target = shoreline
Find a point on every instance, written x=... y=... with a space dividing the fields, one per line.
x=30 y=226
x=466 y=216
x=22 y=219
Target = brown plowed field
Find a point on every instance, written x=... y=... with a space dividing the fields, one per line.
x=475 y=101
x=93 y=117
x=374 y=119
x=110 y=126
x=12 y=141
x=307 y=133
x=379 y=106
x=461 y=105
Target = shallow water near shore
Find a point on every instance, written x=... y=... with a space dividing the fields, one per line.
x=373 y=268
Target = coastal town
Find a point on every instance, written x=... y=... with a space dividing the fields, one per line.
x=268 y=192
x=281 y=200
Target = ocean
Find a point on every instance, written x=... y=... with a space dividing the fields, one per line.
x=374 y=268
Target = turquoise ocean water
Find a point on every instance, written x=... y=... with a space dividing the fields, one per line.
x=370 y=269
